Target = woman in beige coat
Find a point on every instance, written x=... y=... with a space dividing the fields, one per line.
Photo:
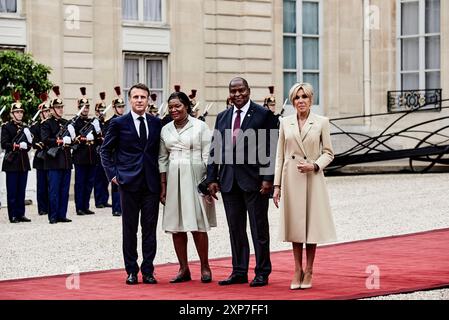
x=304 y=150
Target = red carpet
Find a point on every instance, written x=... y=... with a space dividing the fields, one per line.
x=406 y=263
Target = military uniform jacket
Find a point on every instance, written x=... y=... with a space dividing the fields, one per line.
x=49 y=133
x=99 y=141
x=107 y=123
x=84 y=152
x=38 y=145
x=14 y=159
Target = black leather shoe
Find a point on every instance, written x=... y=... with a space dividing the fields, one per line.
x=88 y=212
x=42 y=213
x=132 y=279
x=24 y=219
x=181 y=277
x=234 y=279
x=117 y=214
x=107 y=205
x=14 y=220
x=100 y=206
x=149 y=279
x=80 y=213
x=53 y=221
x=64 y=220
x=259 y=281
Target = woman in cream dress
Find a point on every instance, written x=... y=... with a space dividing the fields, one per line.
x=304 y=150
x=183 y=158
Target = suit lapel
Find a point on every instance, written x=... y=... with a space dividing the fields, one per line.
x=228 y=118
x=295 y=127
x=248 y=117
x=150 y=135
x=132 y=125
x=307 y=126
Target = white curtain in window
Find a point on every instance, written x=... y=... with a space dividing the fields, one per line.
x=410 y=81
x=155 y=78
x=289 y=81
x=131 y=74
x=433 y=52
x=410 y=18
x=310 y=18
x=154 y=74
x=310 y=48
x=433 y=80
x=432 y=16
x=410 y=54
x=289 y=16
x=152 y=10
x=130 y=9
x=289 y=52
x=8 y=5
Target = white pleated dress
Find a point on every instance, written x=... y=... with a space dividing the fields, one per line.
x=183 y=156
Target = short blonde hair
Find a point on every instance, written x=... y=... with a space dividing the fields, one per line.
x=306 y=87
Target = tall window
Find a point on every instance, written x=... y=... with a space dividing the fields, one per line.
x=302 y=44
x=145 y=69
x=8 y=6
x=142 y=10
x=419 y=44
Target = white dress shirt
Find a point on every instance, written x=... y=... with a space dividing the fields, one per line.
x=242 y=114
x=137 y=122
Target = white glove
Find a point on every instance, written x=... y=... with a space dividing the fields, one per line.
x=71 y=131
x=27 y=133
x=23 y=145
x=96 y=125
x=67 y=140
x=90 y=137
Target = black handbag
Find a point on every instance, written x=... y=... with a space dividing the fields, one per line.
x=202 y=187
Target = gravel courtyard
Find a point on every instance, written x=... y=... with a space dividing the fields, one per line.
x=368 y=206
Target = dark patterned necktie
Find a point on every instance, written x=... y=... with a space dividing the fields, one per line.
x=236 y=129
x=142 y=131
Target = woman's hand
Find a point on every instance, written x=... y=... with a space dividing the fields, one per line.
x=209 y=199
x=277 y=196
x=305 y=167
x=163 y=195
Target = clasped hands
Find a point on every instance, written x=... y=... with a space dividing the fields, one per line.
x=214 y=188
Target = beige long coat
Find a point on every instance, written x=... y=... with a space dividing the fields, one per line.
x=183 y=156
x=305 y=210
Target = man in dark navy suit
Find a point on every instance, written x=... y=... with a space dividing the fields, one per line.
x=241 y=167
x=129 y=155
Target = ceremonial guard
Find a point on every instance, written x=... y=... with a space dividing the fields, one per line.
x=152 y=105
x=195 y=111
x=101 y=183
x=84 y=155
x=16 y=141
x=57 y=135
x=43 y=205
x=270 y=103
x=119 y=109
